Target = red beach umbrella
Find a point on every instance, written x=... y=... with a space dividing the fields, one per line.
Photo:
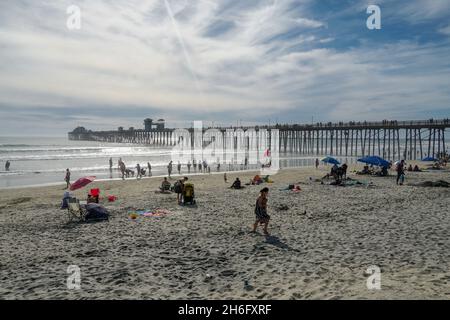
x=80 y=183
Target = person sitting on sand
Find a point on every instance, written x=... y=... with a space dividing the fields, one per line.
x=165 y=185
x=236 y=184
x=261 y=211
x=410 y=168
x=436 y=166
x=416 y=168
x=257 y=180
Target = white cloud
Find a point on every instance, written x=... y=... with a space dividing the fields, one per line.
x=128 y=53
x=445 y=30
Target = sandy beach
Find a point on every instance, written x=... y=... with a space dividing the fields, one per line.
x=319 y=248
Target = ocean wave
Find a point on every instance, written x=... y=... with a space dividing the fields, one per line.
x=19 y=151
x=105 y=169
x=5 y=145
x=72 y=156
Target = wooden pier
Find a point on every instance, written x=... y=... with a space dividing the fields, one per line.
x=392 y=140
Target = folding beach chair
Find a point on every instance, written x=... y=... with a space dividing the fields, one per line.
x=74 y=210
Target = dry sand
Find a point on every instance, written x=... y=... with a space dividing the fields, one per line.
x=207 y=252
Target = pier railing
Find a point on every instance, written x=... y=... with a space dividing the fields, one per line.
x=389 y=139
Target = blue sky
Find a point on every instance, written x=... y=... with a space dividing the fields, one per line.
x=255 y=61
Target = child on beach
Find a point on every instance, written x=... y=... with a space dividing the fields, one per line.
x=261 y=211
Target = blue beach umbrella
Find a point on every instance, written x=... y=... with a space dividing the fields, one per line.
x=375 y=160
x=330 y=160
x=430 y=159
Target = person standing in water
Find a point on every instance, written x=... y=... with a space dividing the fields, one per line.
x=261 y=211
x=122 y=168
x=67 y=178
x=149 y=166
x=189 y=166
x=7 y=165
x=317 y=163
x=110 y=164
x=179 y=167
x=138 y=172
x=169 y=168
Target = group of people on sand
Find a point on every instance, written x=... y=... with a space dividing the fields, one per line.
x=179 y=187
x=415 y=169
x=382 y=171
x=338 y=173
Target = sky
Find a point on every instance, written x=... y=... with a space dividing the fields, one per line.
x=220 y=61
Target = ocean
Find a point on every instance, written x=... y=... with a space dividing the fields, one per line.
x=43 y=161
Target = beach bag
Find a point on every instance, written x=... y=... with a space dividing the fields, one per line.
x=177 y=187
x=96 y=212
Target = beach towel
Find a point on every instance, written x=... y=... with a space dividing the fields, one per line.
x=150 y=213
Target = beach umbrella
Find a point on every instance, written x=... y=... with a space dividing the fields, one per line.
x=430 y=159
x=330 y=160
x=375 y=160
x=80 y=183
